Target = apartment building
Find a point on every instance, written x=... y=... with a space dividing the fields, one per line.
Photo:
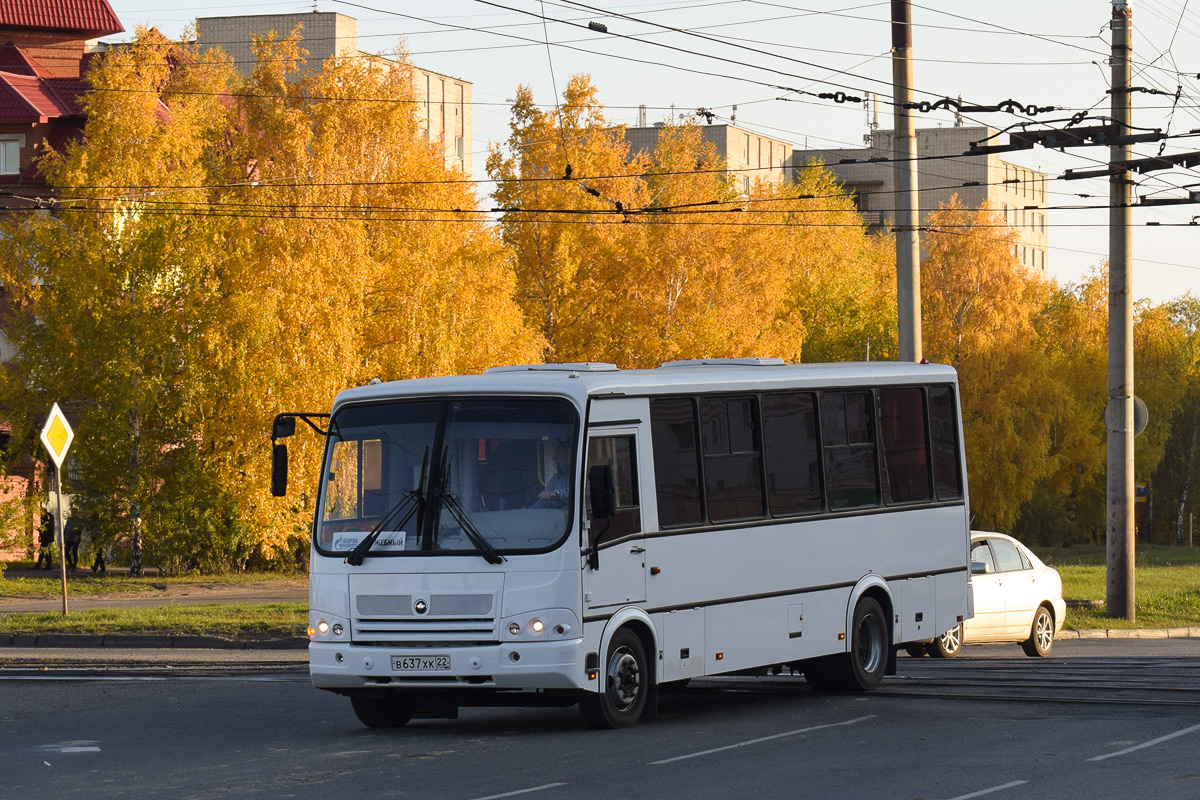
x=749 y=156
x=1017 y=193
x=443 y=102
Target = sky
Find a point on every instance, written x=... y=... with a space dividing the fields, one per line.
x=768 y=58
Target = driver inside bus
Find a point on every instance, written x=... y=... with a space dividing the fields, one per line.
x=557 y=491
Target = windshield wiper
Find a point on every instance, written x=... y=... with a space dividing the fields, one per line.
x=450 y=500
x=415 y=496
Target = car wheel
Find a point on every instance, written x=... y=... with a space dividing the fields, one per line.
x=1041 y=635
x=949 y=644
x=390 y=711
x=917 y=650
x=626 y=685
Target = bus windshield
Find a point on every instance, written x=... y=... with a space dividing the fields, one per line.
x=449 y=477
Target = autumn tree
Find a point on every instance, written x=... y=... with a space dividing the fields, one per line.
x=643 y=257
x=979 y=306
x=226 y=249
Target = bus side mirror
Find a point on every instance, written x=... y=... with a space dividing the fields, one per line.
x=283 y=427
x=279 y=467
x=604 y=491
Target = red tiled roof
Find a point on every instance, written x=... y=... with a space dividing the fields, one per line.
x=89 y=17
x=14 y=59
x=25 y=98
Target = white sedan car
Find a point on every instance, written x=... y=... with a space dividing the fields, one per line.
x=1017 y=599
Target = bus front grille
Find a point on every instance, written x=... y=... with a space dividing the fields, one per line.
x=428 y=621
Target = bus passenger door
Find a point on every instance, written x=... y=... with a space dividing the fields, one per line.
x=615 y=565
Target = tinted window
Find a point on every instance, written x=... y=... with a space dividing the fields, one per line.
x=943 y=428
x=618 y=453
x=676 y=462
x=905 y=448
x=792 y=453
x=732 y=463
x=848 y=437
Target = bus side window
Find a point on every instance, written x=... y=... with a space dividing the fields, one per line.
x=793 y=453
x=618 y=453
x=676 y=462
x=732 y=461
x=943 y=429
x=848 y=437
x=904 y=444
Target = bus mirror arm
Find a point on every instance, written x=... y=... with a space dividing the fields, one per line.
x=604 y=506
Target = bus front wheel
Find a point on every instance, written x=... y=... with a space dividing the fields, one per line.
x=389 y=711
x=626 y=685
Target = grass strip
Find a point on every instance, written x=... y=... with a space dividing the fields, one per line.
x=49 y=584
x=230 y=620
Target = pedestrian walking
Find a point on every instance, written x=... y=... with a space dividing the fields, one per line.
x=72 y=536
x=46 y=542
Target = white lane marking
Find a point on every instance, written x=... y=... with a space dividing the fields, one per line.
x=521 y=791
x=982 y=792
x=1150 y=743
x=83 y=746
x=763 y=739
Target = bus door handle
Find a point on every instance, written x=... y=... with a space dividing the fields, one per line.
x=637 y=549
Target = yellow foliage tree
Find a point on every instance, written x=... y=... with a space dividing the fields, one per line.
x=639 y=258
x=979 y=306
x=229 y=249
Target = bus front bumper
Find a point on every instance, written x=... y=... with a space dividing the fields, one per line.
x=516 y=666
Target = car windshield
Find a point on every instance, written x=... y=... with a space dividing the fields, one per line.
x=442 y=475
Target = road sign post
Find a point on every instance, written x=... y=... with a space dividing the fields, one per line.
x=56 y=438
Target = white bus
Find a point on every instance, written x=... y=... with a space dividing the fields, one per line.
x=577 y=533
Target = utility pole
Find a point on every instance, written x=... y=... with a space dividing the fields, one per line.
x=908 y=246
x=1119 y=414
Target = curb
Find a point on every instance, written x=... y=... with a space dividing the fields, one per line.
x=1130 y=633
x=88 y=641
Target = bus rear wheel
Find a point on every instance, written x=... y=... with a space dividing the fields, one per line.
x=388 y=711
x=626 y=685
x=861 y=669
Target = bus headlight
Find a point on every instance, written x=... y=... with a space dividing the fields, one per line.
x=547 y=624
x=326 y=628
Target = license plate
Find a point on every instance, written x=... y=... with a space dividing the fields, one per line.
x=420 y=663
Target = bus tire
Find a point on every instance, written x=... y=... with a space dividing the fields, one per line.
x=389 y=711
x=626 y=685
x=866 y=661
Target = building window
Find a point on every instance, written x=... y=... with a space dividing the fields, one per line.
x=10 y=154
x=458 y=146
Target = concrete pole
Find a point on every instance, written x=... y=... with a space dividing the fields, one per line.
x=908 y=246
x=1119 y=416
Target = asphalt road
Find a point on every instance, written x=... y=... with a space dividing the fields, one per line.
x=1097 y=720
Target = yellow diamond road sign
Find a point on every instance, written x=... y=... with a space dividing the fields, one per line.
x=57 y=435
